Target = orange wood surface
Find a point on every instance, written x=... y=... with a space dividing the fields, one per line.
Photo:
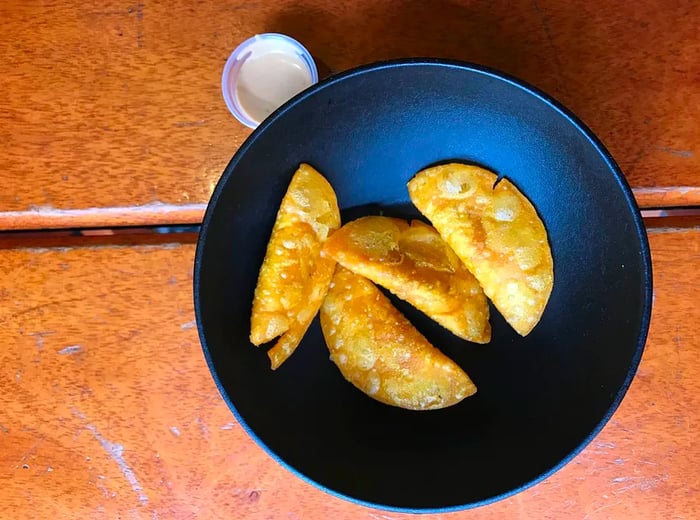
x=107 y=408
x=111 y=112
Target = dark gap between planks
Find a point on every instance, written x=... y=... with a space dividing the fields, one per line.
x=654 y=218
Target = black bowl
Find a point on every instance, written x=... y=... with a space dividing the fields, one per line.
x=541 y=398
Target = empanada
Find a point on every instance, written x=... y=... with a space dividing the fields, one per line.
x=294 y=278
x=415 y=264
x=497 y=234
x=378 y=350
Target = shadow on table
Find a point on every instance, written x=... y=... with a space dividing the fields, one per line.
x=560 y=49
x=346 y=36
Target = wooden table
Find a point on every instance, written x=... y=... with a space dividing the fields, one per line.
x=111 y=115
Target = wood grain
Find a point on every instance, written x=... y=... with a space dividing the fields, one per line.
x=111 y=113
x=107 y=408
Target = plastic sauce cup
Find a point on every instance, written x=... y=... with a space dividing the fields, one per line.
x=263 y=73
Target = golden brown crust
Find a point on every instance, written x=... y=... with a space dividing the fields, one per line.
x=415 y=264
x=496 y=232
x=317 y=290
x=294 y=278
x=378 y=350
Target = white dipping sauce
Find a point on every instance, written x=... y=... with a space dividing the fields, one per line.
x=270 y=76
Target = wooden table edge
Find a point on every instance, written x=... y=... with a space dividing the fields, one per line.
x=173 y=214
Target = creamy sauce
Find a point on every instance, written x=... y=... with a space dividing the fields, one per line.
x=267 y=80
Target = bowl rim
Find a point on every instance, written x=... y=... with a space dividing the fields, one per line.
x=469 y=67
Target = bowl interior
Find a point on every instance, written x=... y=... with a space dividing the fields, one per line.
x=541 y=398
